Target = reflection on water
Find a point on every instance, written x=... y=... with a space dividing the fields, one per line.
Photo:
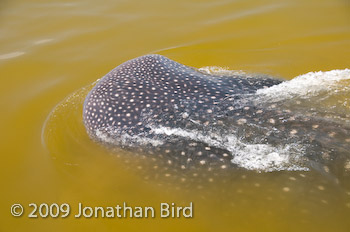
x=51 y=50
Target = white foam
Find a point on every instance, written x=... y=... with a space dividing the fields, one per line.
x=125 y=139
x=259 y=157
x=306 y=85
x=264 y=157
x=220 y=71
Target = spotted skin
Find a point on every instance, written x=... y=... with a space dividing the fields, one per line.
x=152 y=91
x=154 y=83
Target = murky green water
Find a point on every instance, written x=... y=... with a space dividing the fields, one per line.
x=53 y=50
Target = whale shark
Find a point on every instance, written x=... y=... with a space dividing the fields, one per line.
x=189 y=119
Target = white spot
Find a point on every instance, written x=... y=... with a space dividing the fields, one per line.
x=347 y=165
x=315 y=126
x=332 y=134
x=241 y=121
x=185 y=115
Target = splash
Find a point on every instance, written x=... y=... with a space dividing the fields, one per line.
x=259 y=157
x=308 y=85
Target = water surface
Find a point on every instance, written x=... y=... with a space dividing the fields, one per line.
x=51 y=53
